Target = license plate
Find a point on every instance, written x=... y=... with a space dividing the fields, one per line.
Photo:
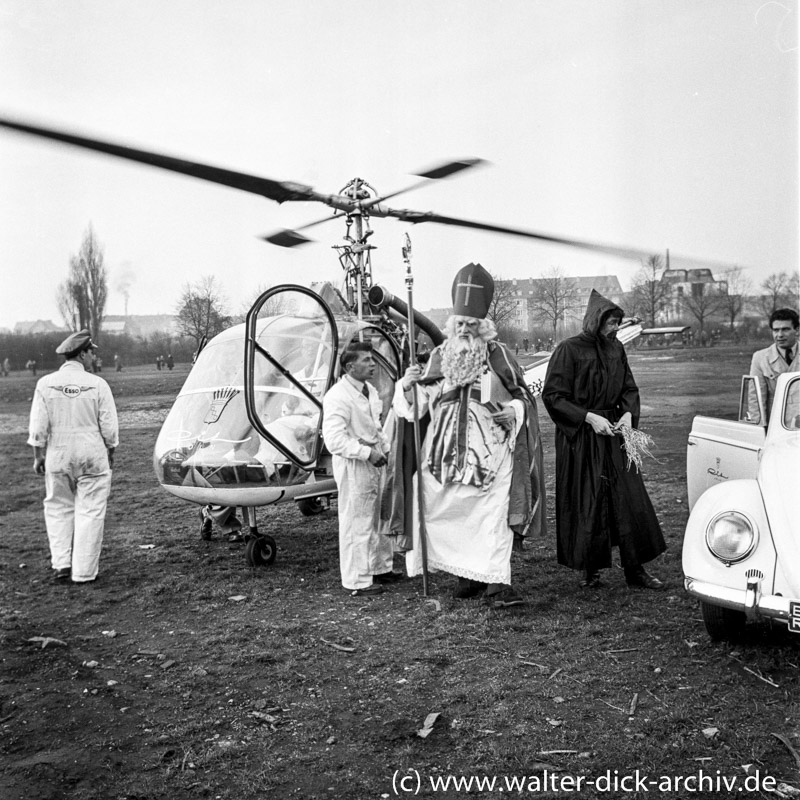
x=794 y=616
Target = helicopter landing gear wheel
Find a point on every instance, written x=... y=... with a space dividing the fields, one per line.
x=311 y=506
x=260 y=551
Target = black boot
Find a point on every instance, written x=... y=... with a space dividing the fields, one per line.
x=591 y=579
x=501 y=595
x=466 y=587
x=639 y=576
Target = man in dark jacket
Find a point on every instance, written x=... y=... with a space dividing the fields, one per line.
x=591 y=395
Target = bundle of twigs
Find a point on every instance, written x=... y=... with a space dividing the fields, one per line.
x=637 y=445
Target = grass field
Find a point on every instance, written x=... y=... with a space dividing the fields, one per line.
x=185 y=673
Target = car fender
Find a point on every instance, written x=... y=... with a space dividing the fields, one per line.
x=699 y=563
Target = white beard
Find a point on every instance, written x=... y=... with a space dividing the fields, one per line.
x=463 y=360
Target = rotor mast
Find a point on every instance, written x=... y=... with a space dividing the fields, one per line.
x=355 y=256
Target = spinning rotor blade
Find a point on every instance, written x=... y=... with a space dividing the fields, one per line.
x=290 y=238
x=438 y=172
x=417 y=217
x=450 y=168
x=286 y=191
x=278 y=191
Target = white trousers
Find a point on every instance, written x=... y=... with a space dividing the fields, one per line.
x=363 y=550
x=75 y=513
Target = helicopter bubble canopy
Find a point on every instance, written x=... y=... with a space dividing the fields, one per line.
x=246 y=432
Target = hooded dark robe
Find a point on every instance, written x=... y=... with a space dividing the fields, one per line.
x=599 y=501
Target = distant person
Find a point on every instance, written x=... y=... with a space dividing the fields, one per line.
x=170 y=362
x=590 y=393
x=353 y=433
x=780 y=356
x=74 y=433
x=158 y=363
x=6 y=367
x=117 y=363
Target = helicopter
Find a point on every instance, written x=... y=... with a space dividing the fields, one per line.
x=245 y=428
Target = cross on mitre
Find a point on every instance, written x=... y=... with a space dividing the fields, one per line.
x=468 y=286
x=473 y=288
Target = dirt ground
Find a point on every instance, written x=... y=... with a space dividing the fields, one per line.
x=184 y=673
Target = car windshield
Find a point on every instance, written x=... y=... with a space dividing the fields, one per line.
x=791 y=407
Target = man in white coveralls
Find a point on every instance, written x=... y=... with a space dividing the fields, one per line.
x=74 y=432
x=353 y=433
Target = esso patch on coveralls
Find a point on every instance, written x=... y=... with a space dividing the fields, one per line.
x=71 y=391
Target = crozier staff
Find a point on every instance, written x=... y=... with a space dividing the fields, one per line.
x=74 y=432
x=481 y=469
x=590 y=393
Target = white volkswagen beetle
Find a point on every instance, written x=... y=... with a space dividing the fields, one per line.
x=741 y=551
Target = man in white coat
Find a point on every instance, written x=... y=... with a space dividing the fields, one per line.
x=779 y=357
x=74 y=432
x=351 y=428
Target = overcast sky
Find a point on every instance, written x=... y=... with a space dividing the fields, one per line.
x=653 y=123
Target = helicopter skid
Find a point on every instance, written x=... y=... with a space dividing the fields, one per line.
x=252 y=497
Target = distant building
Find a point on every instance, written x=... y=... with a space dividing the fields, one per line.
x=607 y=285
x=521 y=293
x=114 y=327
x=141 y=325
x=38 y=326
x=687 y=283
x=523 y=289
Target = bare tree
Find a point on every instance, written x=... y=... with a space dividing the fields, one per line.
x=738 y=287
x=81 y=299
x=553 y=296
x=793 y=290
x=200 y=312
x=704 y=302
x=650 y=294
x=67 y=305
x=286 y=302
x=503 y=305
x=779 y=291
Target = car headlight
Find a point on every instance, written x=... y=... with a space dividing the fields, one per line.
x=731 y=536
